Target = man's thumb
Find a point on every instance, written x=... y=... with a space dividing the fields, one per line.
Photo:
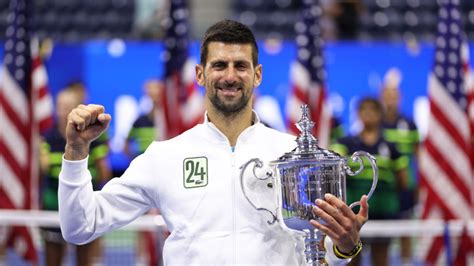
x=104 y=119
x=364 y=207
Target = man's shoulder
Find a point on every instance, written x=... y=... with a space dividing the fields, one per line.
x=143 y=121
x=268 y=131
x=179 y=141
x=349 y=140
x=409 y=122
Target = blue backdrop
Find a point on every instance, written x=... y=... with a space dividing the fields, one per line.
x=114 y=68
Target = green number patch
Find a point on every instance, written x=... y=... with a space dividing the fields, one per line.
x=195 y=172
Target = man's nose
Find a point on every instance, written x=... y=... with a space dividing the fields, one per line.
x=230 y=75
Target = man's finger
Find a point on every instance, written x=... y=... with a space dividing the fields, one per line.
x=100 y=108
x=326 y=230
x=104 y=119
x=329 y=214
x=77 y=122
x=364 y=208
x=95 y=110
x=85 y=115
x=340 y=205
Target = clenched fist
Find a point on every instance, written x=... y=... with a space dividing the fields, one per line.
x=85 y=124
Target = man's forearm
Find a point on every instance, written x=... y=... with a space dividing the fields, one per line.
x=75 y=153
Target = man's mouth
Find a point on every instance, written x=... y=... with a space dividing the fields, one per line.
x=228 y=91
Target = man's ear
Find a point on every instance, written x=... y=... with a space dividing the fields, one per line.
x=199 y=74
x=258 y=75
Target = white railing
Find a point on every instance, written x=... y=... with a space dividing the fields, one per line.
x=385 y=228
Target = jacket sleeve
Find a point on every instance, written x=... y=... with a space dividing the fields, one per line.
x=86 y=214
x=330 y=257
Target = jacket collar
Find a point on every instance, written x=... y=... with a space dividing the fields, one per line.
x=218 y=136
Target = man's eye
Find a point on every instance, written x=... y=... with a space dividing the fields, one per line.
x=241 y=66
x=218 y=65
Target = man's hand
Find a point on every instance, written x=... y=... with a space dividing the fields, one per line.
x=342 y=225
x=85 y=124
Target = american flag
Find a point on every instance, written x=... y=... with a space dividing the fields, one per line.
x=183 y=103
x=307 y=75
x=445 y=167
x=25 y=108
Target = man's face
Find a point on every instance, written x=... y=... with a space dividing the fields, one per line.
x=154 y=89
x=369 y=115
x=65 y=103
x=391 y=98
x=229 y=76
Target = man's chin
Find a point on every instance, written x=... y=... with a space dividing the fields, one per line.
x=230 y=109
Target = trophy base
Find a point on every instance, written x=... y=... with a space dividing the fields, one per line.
x=314 y=248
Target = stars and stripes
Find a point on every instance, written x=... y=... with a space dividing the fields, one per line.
x=26 y=107
x=307 y=75
x=446 y=174
x=20 y=89
x=183 y=103
x=43 y=107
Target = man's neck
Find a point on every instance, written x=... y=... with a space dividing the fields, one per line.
x=231 y=125
x=370 y=135
x=62 y=129
x=390 y=116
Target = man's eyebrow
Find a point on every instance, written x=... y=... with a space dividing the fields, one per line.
x=243 y=62
x=218 y=61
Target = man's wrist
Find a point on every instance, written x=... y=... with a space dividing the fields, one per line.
x=75 y=153
x=348 y=255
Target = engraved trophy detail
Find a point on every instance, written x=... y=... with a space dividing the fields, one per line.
x=301 y=176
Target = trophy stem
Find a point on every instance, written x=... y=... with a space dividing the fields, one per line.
x=314 y=248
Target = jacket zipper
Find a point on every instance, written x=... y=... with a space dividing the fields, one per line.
x=234 y=240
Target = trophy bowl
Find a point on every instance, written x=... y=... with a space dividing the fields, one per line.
x=302 y=176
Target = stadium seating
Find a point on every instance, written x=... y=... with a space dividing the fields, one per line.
x=378 y=19
x=77 y=20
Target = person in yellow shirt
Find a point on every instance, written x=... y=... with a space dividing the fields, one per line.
x=403 y=133
x=52 y=150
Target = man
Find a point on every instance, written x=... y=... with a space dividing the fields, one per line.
x=403 y=133
x=147 y=127
x=193 y=178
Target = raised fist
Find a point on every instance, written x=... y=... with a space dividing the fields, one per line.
x=85 y=124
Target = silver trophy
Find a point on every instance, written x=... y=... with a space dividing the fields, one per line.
x=300 y=177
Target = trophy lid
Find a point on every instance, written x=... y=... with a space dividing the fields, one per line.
x=307 y=145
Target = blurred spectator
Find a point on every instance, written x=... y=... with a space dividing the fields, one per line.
x=331 y=10
x=268 y=111
x=337 y=130
x=384 y=203
x=147 y=128
x=347 y=18
x=79 y=89
x=52 y=149
x=402 y=132
x=149 y=15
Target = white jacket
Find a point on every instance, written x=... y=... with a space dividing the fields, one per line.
x=194 y=180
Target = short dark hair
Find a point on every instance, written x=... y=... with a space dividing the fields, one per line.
x=231 y=32
x=370 y=101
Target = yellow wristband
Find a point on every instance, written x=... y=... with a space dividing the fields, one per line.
x=354 y=252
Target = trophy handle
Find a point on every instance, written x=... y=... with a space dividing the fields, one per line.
x=356 y=157
x=257 y=164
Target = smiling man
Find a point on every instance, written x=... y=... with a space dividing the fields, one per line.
x=194 y=178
